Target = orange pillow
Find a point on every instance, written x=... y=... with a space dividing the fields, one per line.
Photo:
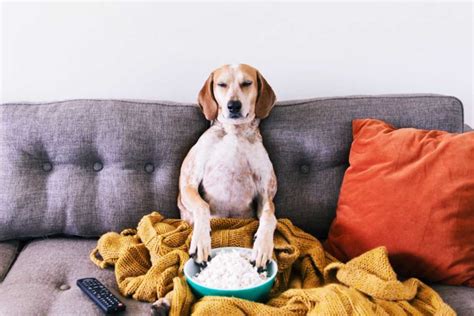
x=413 y=192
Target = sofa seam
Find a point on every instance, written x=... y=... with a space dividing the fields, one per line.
x=16 y=252
x=369 y=97
x=283 y=103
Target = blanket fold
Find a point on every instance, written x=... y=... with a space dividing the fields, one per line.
x=149 y=264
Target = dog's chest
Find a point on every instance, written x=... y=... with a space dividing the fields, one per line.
x=229 y=178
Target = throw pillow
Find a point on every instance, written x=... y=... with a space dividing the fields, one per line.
x=413 y=192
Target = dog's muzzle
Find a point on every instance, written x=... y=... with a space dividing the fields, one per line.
x=234 y=107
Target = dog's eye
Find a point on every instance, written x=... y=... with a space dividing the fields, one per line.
x=246 y=83
x=221 y=84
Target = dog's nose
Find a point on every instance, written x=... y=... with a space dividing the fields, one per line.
x=234 y=106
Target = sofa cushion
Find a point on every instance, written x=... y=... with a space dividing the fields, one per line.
x=309 y=143
x=42 y=281
x=85 y=167
x=47 y=269
x=8 y=252
x=411 y=191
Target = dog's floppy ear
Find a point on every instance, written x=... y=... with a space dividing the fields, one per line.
x=206 y=99
x=265 y=99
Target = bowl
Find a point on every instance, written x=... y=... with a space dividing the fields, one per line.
x=257 y=293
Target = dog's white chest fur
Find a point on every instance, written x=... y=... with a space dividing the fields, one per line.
x=229 y=177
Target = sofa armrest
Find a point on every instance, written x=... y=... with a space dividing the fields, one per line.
x=467 y=128
x=8 y=252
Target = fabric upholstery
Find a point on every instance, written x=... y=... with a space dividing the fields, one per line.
x=45 y=265
x=8 y=253
x=85 y=167
x=309 y=142
x=42 y=281
x=461 y=298
x=411 y=191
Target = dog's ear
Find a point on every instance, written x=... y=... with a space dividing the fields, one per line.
x=206 y=99
x=265 y=99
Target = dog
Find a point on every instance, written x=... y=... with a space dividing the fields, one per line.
x=228 y=172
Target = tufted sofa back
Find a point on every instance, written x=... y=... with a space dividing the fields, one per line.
x=85 y=167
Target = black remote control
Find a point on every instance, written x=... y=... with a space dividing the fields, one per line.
x=103 y=298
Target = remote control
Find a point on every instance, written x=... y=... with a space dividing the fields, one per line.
x=103 y=298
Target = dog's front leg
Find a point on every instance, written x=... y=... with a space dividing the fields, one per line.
x=201 y=239
x=266 y=187
x=192 y=206
x=263 y=245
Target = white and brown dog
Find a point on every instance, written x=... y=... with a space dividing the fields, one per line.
x=228 y=173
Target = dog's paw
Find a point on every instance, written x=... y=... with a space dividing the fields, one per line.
x=200 y=248
x=161 y=307
x=262 y=248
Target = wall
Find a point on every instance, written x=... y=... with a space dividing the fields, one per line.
x=149 y=50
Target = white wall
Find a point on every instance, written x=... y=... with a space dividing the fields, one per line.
x=165 y=51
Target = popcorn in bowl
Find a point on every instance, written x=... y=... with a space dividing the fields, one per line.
x=230 y=270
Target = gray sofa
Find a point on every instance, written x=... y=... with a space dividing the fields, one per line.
x=72 y=170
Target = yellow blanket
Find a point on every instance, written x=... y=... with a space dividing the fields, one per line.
x=149 y=264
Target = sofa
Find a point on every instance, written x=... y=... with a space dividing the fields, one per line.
x=73 y=170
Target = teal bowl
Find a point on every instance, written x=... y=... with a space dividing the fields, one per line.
x=258 y=293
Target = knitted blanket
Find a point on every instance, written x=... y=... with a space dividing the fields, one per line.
x=149 y=264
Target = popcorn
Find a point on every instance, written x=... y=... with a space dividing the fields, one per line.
x=230 y=270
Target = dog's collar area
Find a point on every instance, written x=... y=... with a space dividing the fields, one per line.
x=245 y=130
x=252 y=124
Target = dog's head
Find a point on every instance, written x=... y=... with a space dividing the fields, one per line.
x=236 y=94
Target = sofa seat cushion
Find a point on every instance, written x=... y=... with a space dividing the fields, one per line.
x=42 y=281
x=8 y=252
x=460 y=298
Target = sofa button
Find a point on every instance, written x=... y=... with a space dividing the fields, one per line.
x=149 y=168
x=64 y=287
x=47 y=166
x=304 y=169
x=98 y=166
